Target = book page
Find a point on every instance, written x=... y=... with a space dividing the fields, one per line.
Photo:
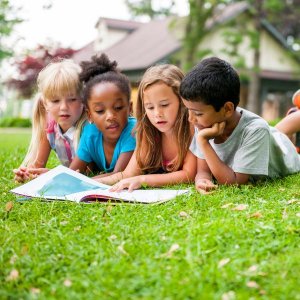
x=62 y=183
x=58 y=183
x=137 y=196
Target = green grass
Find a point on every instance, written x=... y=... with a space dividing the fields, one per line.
x=63 y=250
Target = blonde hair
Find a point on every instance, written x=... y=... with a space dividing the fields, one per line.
x=149 y=145
x=57 y=79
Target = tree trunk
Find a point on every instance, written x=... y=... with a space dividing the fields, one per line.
x=254 y=103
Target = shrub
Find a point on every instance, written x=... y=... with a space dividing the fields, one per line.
x=15 y=122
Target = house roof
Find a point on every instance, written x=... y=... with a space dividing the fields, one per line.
x=228 y=13
x=85 y=53
x=152 y=42
x=120 y=24
x=146 y=46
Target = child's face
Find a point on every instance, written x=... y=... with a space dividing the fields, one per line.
x=202 y=115
x=161 y=106
x=109 y=109
x=66 y=111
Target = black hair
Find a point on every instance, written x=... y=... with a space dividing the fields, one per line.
x=213 y=81
x=101 y=69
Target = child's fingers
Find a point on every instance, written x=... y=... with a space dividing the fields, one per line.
x=203 y=192
x=114 y=188
x=37 y=171
x=19 y=171
x=118 y=187
x=205 y=185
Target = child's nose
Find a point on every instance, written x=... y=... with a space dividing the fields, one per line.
x=158 y=112
x=110 y=114
x=63 y=105
x=191 y=117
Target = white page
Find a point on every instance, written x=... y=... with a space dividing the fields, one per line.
x=62 y=183
x=81 y=183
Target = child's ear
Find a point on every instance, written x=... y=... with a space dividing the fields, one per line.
x=228 y=109
x=89 y=116
x=130 y=108
x=44 y=102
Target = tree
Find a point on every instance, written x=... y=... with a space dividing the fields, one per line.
x=7 y=23
x=29 y=66
x=201 y=18
x=260 y=10
x=196 y=28
x=147 y=8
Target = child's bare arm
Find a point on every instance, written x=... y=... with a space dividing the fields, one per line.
x=123 y=161
x=131 y=169
x=120 y=166
x=38 y=166
x=223 y=173
x=187 y=174
x=203 y=180
x=78 y=164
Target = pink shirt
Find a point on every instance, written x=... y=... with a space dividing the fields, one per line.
x=61 y=143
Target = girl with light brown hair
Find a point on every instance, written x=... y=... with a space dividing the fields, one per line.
x=163 y=135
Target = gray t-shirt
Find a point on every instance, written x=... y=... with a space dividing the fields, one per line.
x=255 y=148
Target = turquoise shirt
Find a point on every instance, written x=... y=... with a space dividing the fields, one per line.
x=90 y=148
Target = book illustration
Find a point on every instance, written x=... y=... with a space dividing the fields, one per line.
x=64 y=184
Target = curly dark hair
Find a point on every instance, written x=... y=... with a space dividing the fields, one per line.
x=213 y=81
x=101 y=69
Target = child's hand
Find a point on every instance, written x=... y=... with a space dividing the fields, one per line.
x=205 y=185
x=21 y=174
x=35 y=172
x=212 y=132
x=131 y=184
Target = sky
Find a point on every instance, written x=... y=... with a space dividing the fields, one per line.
x=69 y=22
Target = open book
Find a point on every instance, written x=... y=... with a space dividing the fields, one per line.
x=62 y=183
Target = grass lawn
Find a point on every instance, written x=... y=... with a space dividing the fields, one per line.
x=237 y=243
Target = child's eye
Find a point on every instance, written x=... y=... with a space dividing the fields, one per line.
x=165 y=105
x=149 y=107
x=119 y=107
x=99 y=111
x=198 y=114
x=73 y=99
x=54 y=101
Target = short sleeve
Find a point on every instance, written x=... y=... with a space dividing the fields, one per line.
x=83 y=150
x=252 y=157
x=128 y=142
x=194 y=148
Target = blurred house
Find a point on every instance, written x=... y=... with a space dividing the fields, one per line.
x=137 y=46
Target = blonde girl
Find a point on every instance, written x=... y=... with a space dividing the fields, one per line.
x=58 y=117
x=163 y=134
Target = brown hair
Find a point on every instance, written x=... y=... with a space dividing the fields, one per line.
x=149 y=146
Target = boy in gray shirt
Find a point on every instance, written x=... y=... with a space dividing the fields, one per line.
x=233 y=145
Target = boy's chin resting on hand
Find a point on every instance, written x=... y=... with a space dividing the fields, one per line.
x=204 y=186
x=217 y=129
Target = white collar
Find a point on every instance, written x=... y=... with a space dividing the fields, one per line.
x=69 y=134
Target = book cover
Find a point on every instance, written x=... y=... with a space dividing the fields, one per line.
x=62 y=183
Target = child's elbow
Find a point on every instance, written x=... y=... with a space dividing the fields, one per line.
x=237 y=180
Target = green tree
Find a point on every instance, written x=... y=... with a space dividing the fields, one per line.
x=147 y=8
x=7 y=23
x=200 y=11
x=260 y=11
x=197 y=27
